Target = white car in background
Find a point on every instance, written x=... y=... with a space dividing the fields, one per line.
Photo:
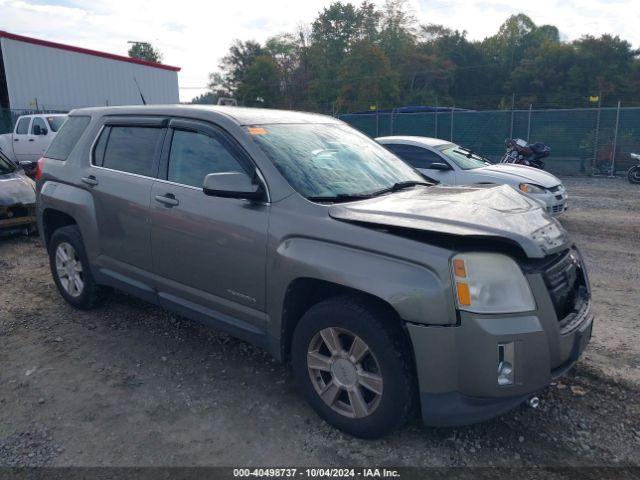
x=451 y=164
x=31 y=136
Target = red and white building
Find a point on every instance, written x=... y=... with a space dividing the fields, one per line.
x=41 y=75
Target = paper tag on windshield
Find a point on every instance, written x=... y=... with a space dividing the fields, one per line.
x=256 y=131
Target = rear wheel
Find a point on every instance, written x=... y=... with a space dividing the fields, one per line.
x=70 y=268
x=351 y=361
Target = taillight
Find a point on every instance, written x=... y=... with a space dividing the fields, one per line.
x=38 y=172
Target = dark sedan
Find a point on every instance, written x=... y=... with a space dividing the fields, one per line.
x=17 y=198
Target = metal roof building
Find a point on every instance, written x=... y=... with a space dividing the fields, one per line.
x=41 y=75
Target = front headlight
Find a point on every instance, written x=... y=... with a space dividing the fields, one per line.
x=531 y=188
x=490 y=283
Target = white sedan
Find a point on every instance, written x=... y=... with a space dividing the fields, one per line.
x=451 y=164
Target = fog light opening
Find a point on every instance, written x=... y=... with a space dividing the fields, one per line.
x=505 y=364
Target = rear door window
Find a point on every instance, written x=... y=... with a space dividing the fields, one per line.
x=67 y=137
x=23 y=126
x=417 y=157
x=128 y=149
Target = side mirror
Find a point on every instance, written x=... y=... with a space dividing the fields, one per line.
x=232 y=185
x=38 y=130
x=28 y=167
x=439 y=166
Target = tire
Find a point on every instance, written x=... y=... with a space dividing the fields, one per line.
x=81 y=298
x=387 y=359
x=633 y=175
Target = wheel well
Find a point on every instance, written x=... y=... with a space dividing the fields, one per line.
x=303 y=293
x=53 y=220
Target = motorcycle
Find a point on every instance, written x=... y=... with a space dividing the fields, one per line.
x=633 y=174
x=520 y=152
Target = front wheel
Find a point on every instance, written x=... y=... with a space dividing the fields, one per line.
x=352 y=362
x=633 y=175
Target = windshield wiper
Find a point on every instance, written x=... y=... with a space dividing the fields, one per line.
x=347 y=197
x=396 y=187
x=341 y=197
x=470 y=154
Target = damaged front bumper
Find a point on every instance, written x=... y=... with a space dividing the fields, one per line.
x=17 y=217
x=459 y=366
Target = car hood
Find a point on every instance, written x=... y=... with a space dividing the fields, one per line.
x=521 y=173
x=16 y=188
x=483 y=211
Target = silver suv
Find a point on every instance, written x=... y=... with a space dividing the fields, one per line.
x=297 y=233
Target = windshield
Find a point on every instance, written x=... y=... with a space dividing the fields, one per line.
x=463 y=157
x=6 y=166
x=331 y=161
x=56 y=122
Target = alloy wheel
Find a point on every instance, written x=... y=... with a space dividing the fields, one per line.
x=69 y=269
x=344 y=372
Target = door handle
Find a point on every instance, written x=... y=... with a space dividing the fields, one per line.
x=168 y=200
x=31 y=140
x=16 y=139
x=90 y=180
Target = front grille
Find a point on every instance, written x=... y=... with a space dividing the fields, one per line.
x=566 y=282
x=554 y=189
x=555 y=209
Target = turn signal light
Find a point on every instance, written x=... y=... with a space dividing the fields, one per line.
x=458 y=268
x=464 y=297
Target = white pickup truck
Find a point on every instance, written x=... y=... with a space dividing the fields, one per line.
x=31 y=136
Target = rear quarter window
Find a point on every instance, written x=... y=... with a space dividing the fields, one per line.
x=56 y=122
x=67 y=137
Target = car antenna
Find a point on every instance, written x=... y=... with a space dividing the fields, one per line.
x=144 y=102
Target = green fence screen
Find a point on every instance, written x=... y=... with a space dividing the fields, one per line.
x=582 y=141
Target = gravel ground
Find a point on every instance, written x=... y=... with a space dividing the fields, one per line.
x=130 y=385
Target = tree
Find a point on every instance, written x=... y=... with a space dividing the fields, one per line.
x=209 y=98
x=261 y=84
x=235 y=64
x=333 y=34
x=284 y=50
x=354 y=55
x=397 y=34
x=366 y=78
x=145 y=51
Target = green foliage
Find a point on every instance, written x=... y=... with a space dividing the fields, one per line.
x=145 y=51
x=366 y=78
x=354 y=57
x=208 y=98
x=261 y=83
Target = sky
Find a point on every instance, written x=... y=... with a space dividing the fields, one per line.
x=194 y=34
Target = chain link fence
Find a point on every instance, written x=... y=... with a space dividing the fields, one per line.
x=582 y=140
